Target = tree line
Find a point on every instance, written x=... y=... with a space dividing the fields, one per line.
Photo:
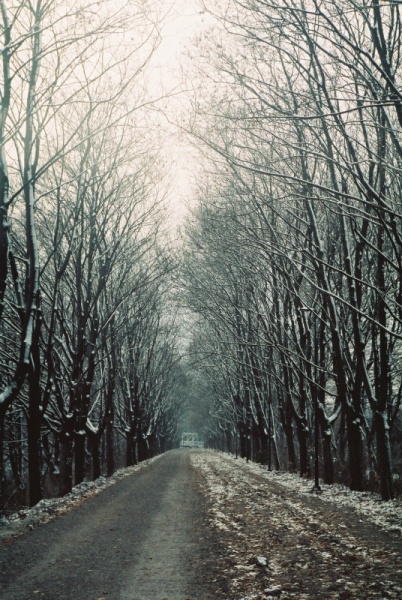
x=294 y=252
x=89 y=366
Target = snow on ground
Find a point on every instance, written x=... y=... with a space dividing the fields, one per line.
x=48 y=509
x=387 y=515
x=280 y=540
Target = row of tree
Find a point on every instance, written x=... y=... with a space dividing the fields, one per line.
x=295 y=251
x=88 y=353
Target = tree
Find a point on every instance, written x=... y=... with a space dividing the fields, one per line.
x=60 y=64
x=307 y=134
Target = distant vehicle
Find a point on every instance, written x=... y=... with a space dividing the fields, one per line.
x=191 y=440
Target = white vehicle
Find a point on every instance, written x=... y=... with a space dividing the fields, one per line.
x=191 y=440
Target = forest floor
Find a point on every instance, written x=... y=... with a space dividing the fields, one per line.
x=198 y=525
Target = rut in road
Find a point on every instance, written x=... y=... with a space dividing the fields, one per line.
x=144 y=538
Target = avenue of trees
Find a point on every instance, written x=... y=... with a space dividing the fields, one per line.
x=293 y=265
x=88 y=359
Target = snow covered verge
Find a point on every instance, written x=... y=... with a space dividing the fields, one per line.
x=48 y=509
x=386 y=515
x=281 y=540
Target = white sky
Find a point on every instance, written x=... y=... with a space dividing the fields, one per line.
x=184 y=21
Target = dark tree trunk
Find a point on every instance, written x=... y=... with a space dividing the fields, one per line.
x=15 y=463
x=291 y=447
x=34 y=455
x=272 y=445
x=264 y=447
x=142 y=449
x=2 y=473
x=151 y=446
x=129 y=449
x=51 y=458
x=15 y=454
x=326 y=439
x=355 y=448
x=256 y=444
x=66 y=464
x=324 y=422
x=79 y=456
x=110 y=464
x=384 y=456
x=303 y=437
x=243 y=440
x=342 y=439
x=261 y=437
x=34 y=425
x=275 y=453
x=94 y=440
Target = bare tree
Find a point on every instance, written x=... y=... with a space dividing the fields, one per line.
x=307 y=132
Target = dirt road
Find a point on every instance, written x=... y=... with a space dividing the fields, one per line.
x=144 y=538
x=202 y=525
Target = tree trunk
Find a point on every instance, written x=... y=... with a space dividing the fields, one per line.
x=34 y=424
x=79 y=456
x=95 y=456
x=15 y=453
x=51 y=458
x=275 y=452
x=34 y=454
x=129 y=449
x=326 y=439
x=142 y=448
x=355 y=448
x=66 y=464
x=110 y=465
x=291 y=447
x=384 y=455
x=303 y=435
x=2 y=473
x=243 y=440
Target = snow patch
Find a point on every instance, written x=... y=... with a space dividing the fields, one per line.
x=280 y=543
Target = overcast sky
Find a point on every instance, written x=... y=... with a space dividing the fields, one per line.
x=182 y=24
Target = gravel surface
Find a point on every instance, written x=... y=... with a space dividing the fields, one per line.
x=144 y=538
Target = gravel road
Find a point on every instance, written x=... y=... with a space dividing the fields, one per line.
x=144 y=538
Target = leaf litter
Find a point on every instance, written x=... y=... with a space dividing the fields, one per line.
x=283 y=541
x=280 y=539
